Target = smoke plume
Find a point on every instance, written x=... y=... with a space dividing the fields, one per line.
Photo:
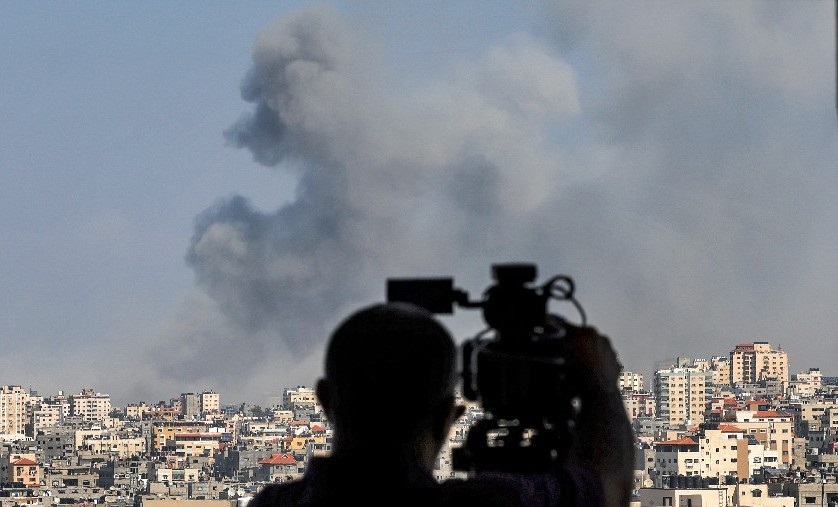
x=677 y=160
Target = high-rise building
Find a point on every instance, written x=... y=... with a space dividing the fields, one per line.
x=12 y=409
x=681 y=395
x=753 y=362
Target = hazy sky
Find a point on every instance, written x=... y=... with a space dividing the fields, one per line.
x=192 y=194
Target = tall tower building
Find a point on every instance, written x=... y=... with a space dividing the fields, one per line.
x=12 y=409
x=681 y=395
x=753 y=362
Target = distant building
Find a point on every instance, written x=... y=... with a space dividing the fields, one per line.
x=681 y=395
x=630 y=381
x=210 y=402
x=13 y=409
x=720 y=366
x=299 y=395
x=20 y=468
x=753 y=362
x=775 y=431
x=805 y=384
x=90 y=405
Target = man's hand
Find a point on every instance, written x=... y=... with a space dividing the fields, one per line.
x=605 y=440
x=594 y=357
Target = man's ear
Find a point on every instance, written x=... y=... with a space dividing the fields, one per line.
x=324 y=396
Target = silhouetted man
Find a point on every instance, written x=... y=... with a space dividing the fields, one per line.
x=389 y=392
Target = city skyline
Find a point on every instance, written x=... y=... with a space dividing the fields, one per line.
x=195 y=195
x=671 y=364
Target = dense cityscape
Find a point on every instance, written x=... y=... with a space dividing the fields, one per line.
x=730 y=430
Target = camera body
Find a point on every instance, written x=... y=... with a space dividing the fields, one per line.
x=516 y=369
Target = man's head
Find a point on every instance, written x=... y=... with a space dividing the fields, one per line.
x=390 y=359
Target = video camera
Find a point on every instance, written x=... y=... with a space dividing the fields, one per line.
x=516 y=369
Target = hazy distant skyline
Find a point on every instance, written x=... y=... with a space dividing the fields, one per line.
x=193 y=195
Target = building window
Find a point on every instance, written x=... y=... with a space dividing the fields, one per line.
x=809 y=499
x=667 y=501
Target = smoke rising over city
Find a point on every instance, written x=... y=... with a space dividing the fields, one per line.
x=678 y=160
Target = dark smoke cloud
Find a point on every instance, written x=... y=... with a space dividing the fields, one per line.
x=674 y=159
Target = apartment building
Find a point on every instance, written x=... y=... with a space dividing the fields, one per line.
x=47 y=415
x=279 y=467
x=137 y=411
x=56 y=442
x=681 y=395
x=190 y=405
x=811 y=414
x=805 y=384
x=752 y=362
x=720 y=366
x=20 y=467
x=638 y=404
x=728 y=450
x=678 y=457
x=112 y=445
x=162 y=432
x=775 y=431
x=196 y=444
x=210 y=402
x=300 y=395
x=629 y=381
x=13 y=401
x=90 y=405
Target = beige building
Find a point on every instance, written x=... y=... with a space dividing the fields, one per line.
x=753 y=362
x=630 y=381
x=638 y=404
x=300 y=395
x=805 y=384
x=170 y=475
x=683 y=497
x=50 y=413
x=730 y=451
x=283 y=416
x=720 y=366
x=90 y=405
x=195 y=444
x=106 y=443
x=735 y=495
x=210 y=402
x=13 y=418
x=812 y=414
x=681 y=395
x=164 y=431
x=773 y=430
x=137 y=411
x=678 y=457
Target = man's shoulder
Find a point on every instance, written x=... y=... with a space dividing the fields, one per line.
x=287 y=493
x=480 y=491
x=567 y=487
